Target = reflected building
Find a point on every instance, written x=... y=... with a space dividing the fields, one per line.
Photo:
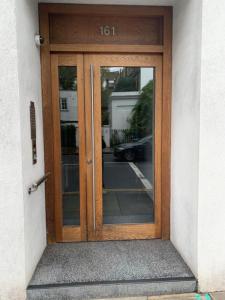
x=121 y=88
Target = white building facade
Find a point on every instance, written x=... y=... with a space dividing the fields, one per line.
x=197 y=143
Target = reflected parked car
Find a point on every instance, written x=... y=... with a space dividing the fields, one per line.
x=138 y=150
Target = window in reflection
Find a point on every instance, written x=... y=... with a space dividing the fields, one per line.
x=127 y=97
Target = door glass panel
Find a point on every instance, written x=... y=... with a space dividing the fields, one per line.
x=127 y=106
x=69 y=144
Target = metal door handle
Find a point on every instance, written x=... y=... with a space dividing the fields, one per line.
x=93 y=142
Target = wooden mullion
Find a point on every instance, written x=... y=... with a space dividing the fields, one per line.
x=166 y=124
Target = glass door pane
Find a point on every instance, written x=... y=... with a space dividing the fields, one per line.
x=127 y=111
x=69 y=144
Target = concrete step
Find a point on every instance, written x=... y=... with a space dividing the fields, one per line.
x=108 y=290
x=110 y=269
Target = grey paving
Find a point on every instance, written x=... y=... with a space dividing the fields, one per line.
x=127 y=298
x=71 y=209
x=127 y=207
x=187 y=296
x=111 y=261
x=147 y=169
x=120 y=175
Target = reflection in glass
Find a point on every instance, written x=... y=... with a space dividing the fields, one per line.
x=127 y=97
x=69 y=144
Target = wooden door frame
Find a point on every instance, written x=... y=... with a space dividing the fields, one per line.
x=165 y=50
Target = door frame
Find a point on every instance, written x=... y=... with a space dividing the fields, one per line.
x=165 y=50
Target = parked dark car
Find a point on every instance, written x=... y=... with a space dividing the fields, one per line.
x=141 y=149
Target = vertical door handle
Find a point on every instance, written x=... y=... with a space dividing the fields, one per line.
x=93 y=143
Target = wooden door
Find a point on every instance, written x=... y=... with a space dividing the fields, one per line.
x=123 y=110
x=107 y=115
x=69 y=147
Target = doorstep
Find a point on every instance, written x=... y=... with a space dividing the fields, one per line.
x=110 y=269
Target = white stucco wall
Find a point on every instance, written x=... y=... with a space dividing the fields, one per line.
x=22 y=222
x=198 y=143
x=185 y=128
x=211 y=206
x=29 y=74
x=12 y=256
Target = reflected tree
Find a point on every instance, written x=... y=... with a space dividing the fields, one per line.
x=141 y=120
x=126 y=84
x=67 y=78
x=105 y=104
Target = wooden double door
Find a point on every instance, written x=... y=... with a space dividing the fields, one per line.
x=107 y=116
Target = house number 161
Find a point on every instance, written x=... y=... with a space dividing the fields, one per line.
x=107 y=30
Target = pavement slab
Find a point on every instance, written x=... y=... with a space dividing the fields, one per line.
x=218 y=296
x=188 y=296
x=127 y=298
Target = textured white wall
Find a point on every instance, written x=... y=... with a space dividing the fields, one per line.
x=211 y=207
x=30 y=90
x=185 y=128
x=22 y=222
x=12 y=256
x=198 y=139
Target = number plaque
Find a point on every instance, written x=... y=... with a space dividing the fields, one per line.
x=107 y=30
x=117 y=30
